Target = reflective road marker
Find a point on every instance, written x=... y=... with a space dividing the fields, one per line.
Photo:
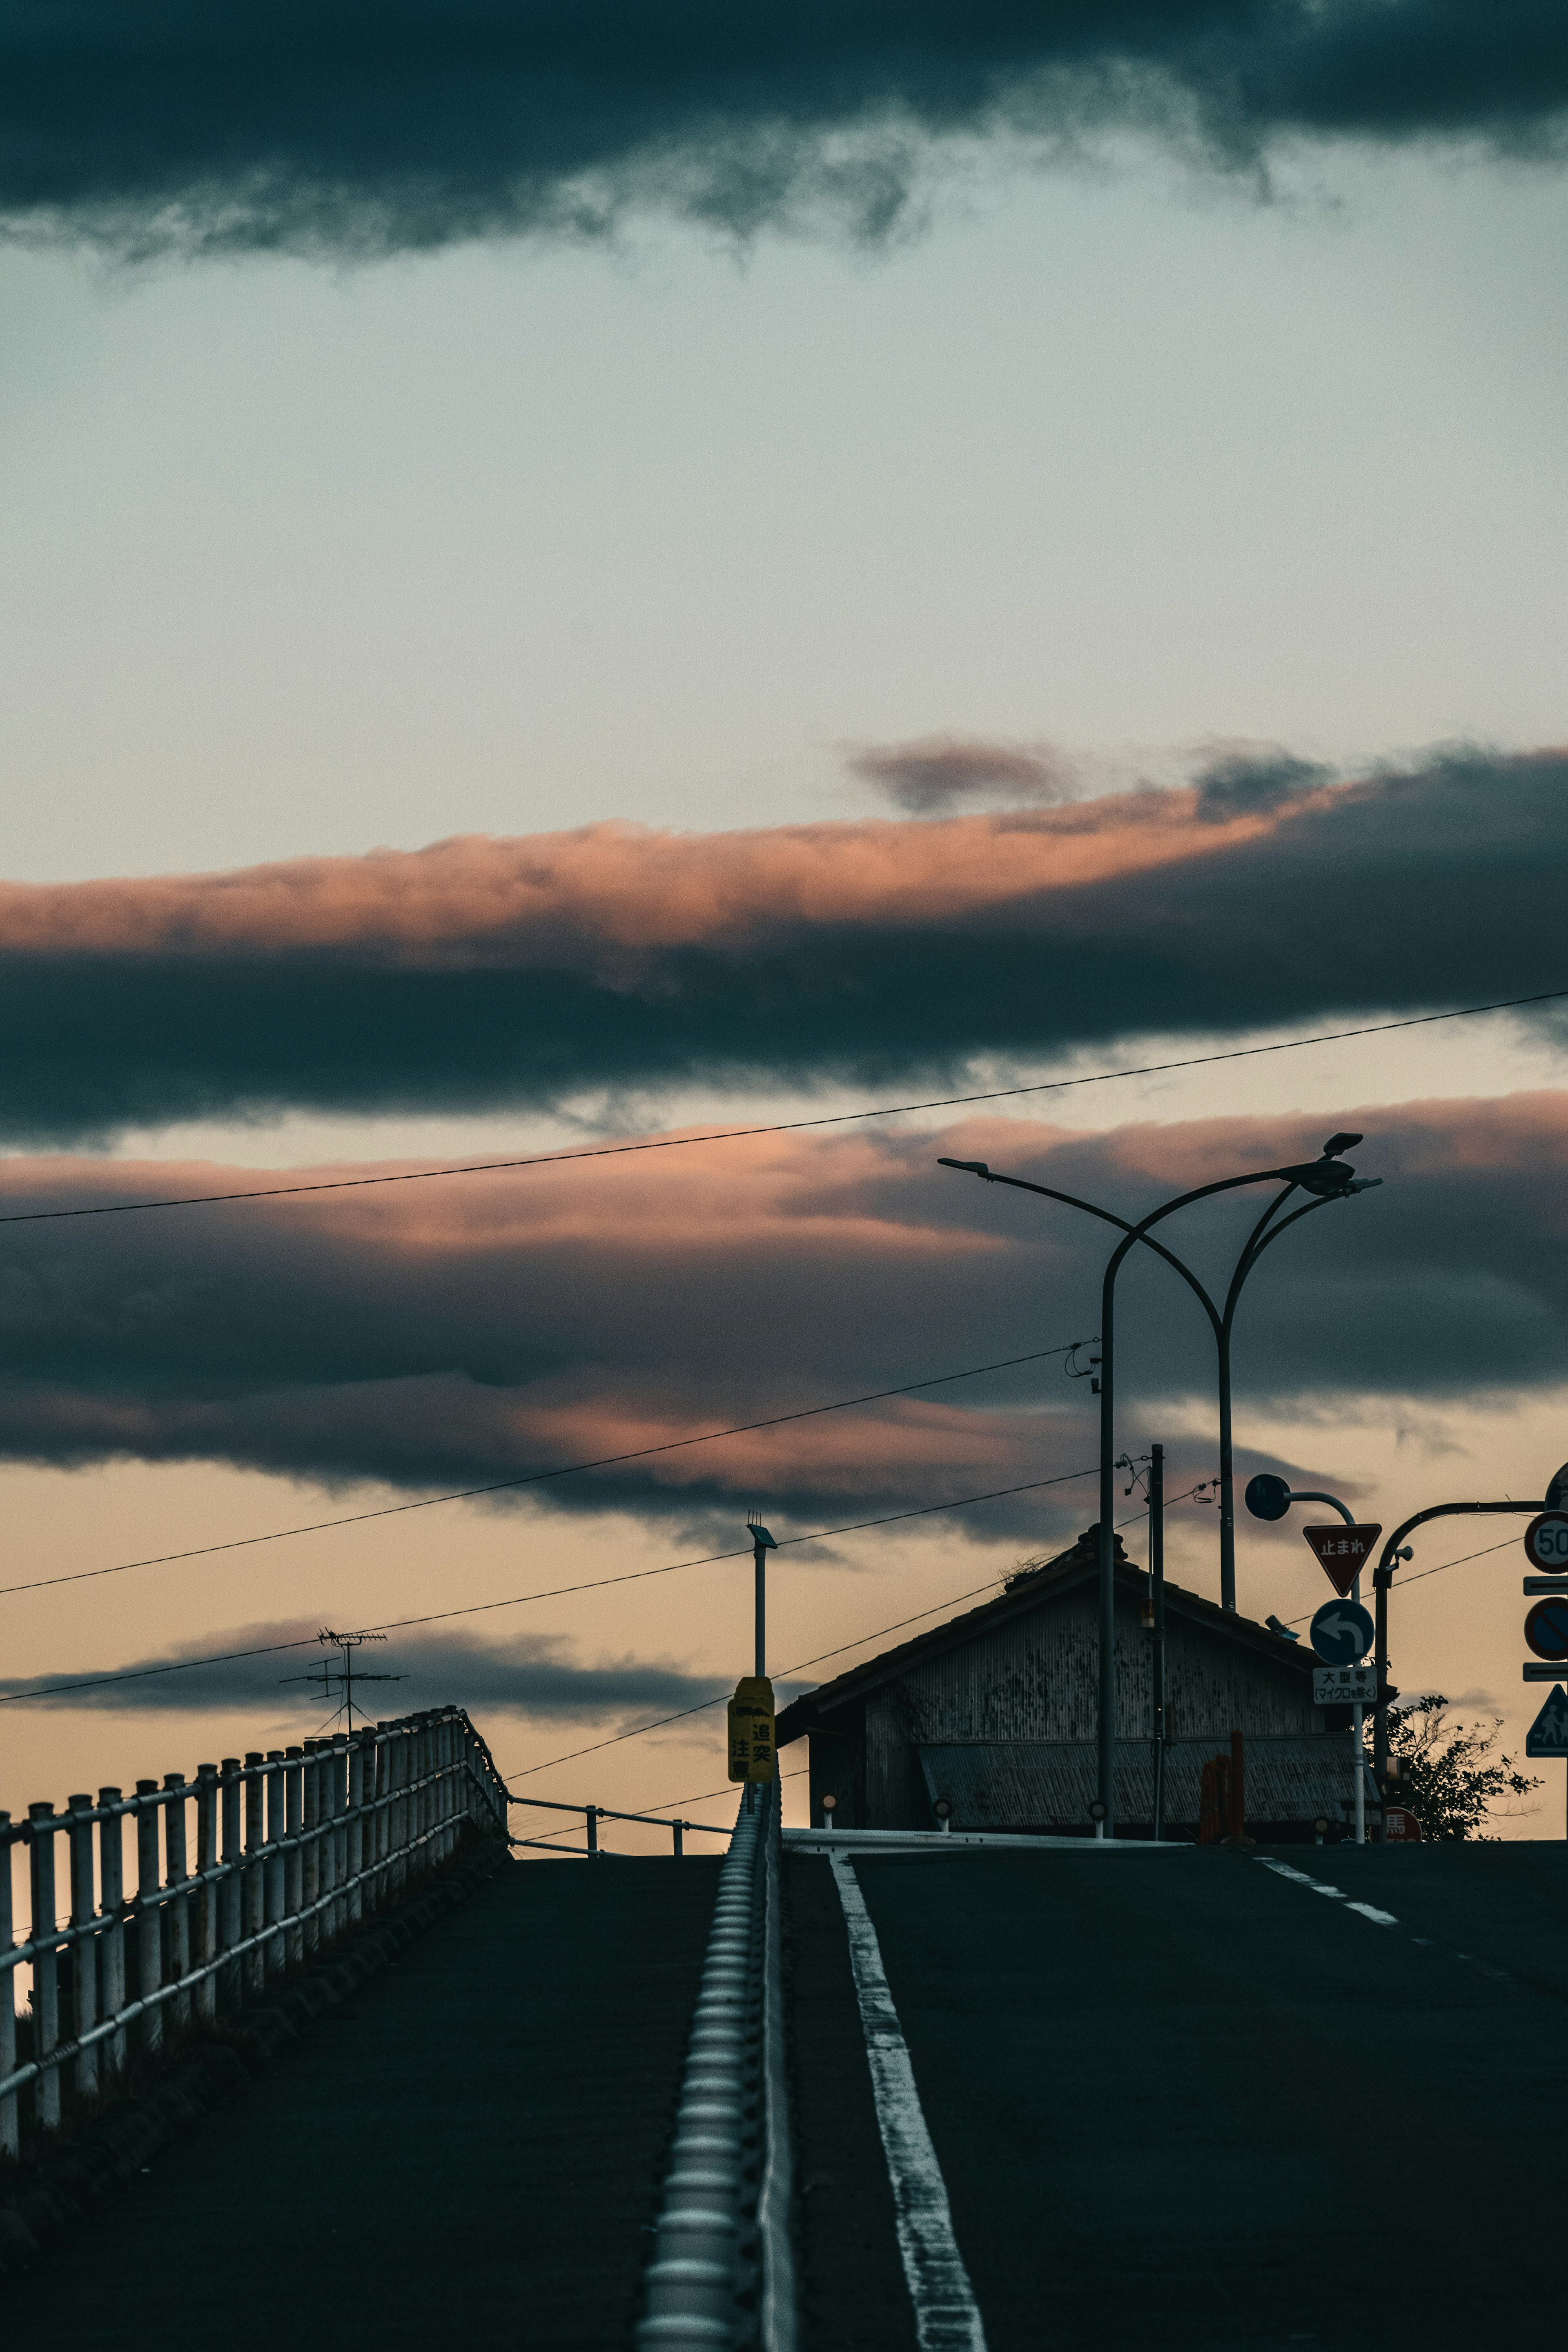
x=946 y=2313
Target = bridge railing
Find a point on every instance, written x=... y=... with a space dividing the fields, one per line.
x=594 y=1814
x=291 y=1848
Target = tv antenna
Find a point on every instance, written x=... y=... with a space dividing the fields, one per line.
x=330 y=1678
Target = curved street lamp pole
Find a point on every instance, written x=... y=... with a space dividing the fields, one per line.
x=1327 y=1178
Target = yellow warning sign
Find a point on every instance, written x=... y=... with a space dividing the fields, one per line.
x=752 y=1729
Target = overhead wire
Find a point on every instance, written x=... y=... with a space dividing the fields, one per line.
x=555 y=1593
x=537 y=1477
x=777 y=1127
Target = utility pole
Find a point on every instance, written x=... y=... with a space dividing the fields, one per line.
x=1157 y=1601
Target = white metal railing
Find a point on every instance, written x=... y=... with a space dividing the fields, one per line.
x=292 y=1848
x=594 y=1814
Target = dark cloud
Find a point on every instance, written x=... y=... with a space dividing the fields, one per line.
x=350 y=129
x=1255 y=782
x=534 y=1675
x=492 y=1328
x=943 y=773
x=881 y=954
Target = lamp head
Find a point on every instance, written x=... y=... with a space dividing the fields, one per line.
x=970 y=1167
x=760 y=1539
x=1338 y=1143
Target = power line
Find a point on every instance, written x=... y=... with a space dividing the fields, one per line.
x=536 y=1477
x=555 y=1593
x=1463 y=1561
x=703 y=1705
x=778 y=1127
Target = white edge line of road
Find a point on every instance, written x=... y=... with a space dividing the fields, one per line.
x=1318 y=1887
x=946 y=2313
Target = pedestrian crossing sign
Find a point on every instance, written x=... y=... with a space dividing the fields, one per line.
x=1548 y=1735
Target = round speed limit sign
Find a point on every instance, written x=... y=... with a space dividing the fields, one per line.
x=1546 y=1543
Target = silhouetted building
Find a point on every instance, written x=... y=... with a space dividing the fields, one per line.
x=996 y=1712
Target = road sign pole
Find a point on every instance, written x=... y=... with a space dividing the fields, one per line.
x=1157 y=1596
x=1360 y=1751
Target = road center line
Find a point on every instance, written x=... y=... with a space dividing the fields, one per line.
x=946 y=2313
x=1320 y=1886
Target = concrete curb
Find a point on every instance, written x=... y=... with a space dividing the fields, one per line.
x=72 y=2184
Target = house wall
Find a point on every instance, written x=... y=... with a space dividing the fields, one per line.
x=1037 y=1678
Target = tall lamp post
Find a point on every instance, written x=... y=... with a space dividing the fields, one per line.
x=1327 y=1178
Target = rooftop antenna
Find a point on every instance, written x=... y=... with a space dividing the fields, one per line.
x=328 y=1677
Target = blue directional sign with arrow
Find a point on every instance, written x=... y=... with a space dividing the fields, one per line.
x=1548 y=1735
x=1342 y=1633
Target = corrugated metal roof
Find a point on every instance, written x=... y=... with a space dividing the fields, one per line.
x=1048 y=1783
x=1072 y=1567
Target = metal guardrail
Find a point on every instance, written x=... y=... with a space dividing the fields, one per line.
x=721 y=2271
x=595 y=1814
x=292 y=1848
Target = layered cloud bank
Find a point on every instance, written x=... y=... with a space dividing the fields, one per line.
x=528 y=1675
x=347 y=128
x=492 y=1327
x=483 y=973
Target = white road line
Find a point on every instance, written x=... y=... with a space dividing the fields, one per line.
x=1320 y=1886
x=946 y=2313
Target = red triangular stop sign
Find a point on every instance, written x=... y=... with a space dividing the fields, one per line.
x=1343 y=1552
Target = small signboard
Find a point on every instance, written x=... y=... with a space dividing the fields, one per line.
x=1343 y=1552
x=1546 y=1542
x=1548 y=1735
x=752 y=1729
x=1342 y=1633
x=1546 y=1627
x=1345 y=1686
x=1400 y=1826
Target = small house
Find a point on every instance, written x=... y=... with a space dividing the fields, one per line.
x=995 y=1711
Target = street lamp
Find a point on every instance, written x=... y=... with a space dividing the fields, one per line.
x=1327 y=1179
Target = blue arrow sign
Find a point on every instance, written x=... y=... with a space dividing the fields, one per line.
x=1548 y=1735
x=1342 y=1633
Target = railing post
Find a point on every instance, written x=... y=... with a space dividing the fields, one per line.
x=84 y=1954
x=273 y=1867
x=175 y=1873
x=382 y=1820
x=255 y=1866
x=206 y=1866
x=680 y=1849
x=593 y=1820
x=149 y=1917
x=340 y=1830
x=45 y=1965
x=111 y=1908
x=294 y=1860
x=231 y=1910
x=311 y=1852
x=356 y=1827
x=396 y=1758
x=10 y=2120
x=327 y=1804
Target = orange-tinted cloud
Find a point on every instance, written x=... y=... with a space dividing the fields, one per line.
x=882 y=954
x=494 y=1326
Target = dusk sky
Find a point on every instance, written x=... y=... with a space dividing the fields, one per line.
x=579 y=578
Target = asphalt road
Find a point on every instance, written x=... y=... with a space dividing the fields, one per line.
x=1181 y=2101
x=468 y=2151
